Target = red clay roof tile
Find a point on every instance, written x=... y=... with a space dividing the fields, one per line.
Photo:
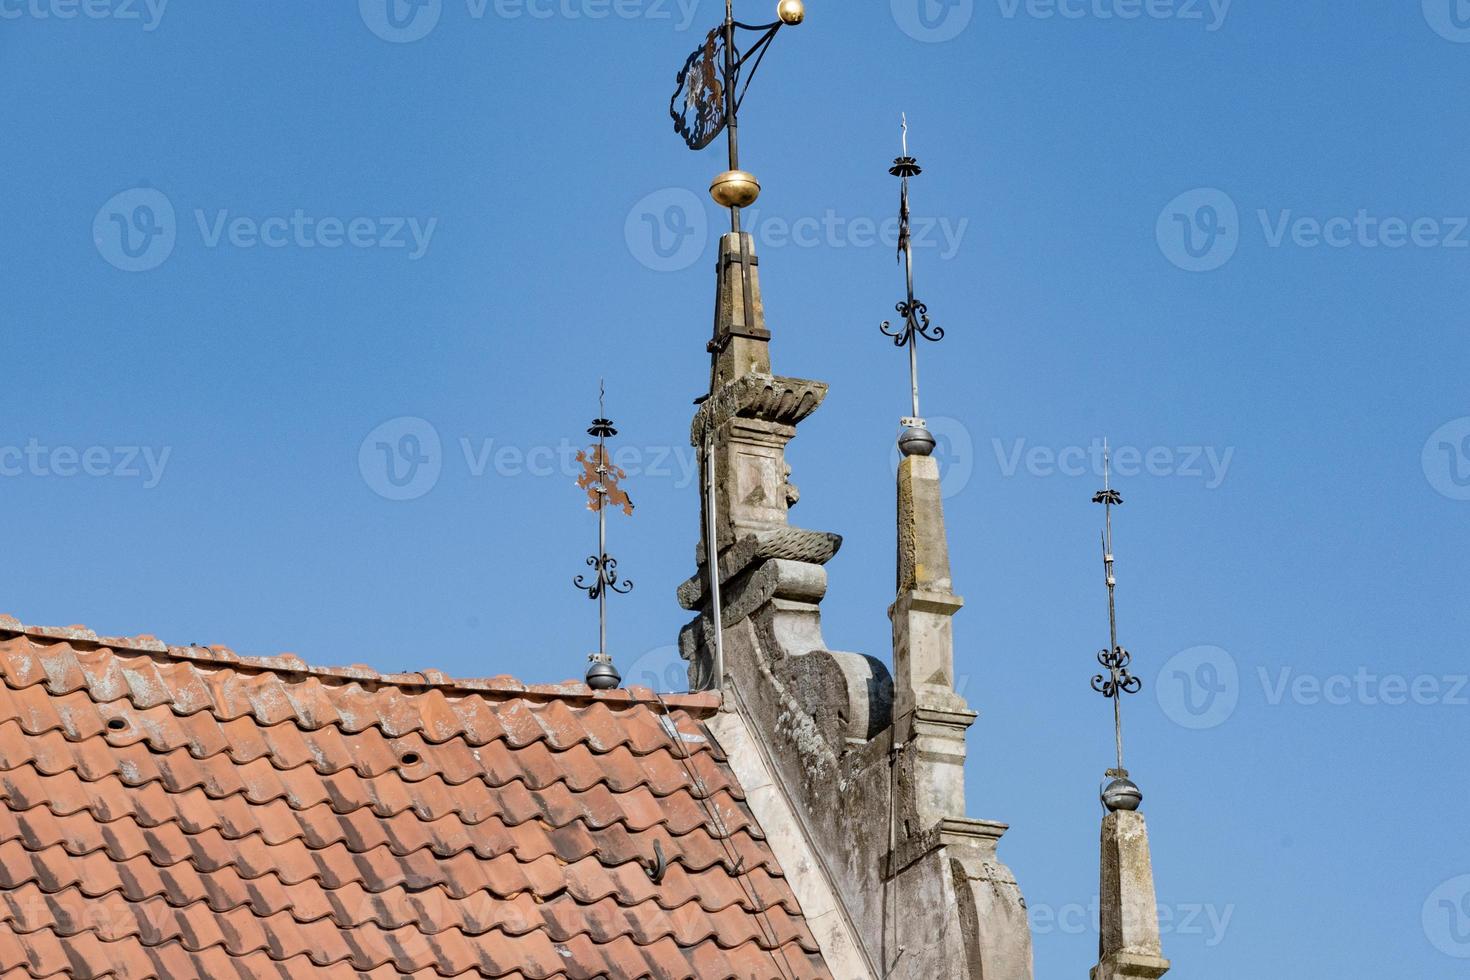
x=184 y=812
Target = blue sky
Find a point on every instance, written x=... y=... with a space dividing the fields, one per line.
x=1232 y=239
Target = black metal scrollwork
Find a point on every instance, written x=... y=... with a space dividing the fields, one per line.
x=605 y=579
x=1118 y=679
x=916 y=324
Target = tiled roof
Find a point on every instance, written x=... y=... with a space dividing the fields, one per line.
x=185 y=812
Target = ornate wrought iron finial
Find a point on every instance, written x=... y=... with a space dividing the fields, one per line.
x=1122 y=793
x=602 y=481
x=916 y=439
x=707 y=98
x=709 y=95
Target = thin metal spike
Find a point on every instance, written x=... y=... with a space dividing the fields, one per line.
x=1118 y=680
x=916 y=324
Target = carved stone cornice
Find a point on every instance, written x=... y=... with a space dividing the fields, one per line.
x=780 y=401
x=786 y=544
x=980 y=835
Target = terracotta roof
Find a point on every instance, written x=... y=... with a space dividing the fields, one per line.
x=186 y=812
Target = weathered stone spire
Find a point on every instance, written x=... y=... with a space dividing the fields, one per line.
x=741 y=344
x=751 y=413
x=1130 y=948
x=934 y=844
x=930 y=718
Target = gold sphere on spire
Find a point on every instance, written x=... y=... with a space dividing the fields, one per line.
x=735 y=189
x=791 y=12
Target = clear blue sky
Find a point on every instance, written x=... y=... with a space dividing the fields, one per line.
x=1291 y=555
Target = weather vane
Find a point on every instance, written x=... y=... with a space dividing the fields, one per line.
x=706 y=102
x=1122 y=793
x=600 y=478
x=916 y=440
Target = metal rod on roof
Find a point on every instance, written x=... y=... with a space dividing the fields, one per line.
x=712 y=558
x=1122 y=793
x=600 y=479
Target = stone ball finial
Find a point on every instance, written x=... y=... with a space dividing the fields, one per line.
x=916 y=439
x=1122 y=794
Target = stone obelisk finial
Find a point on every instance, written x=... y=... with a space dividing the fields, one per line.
x=1130 y=947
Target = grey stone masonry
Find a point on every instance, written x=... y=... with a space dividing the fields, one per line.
x=1130 y=946
x=872 y=770
x=934 y=843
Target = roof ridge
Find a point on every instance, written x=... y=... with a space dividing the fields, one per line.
x=289 y=663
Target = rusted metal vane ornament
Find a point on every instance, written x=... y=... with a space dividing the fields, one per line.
x=602 y=482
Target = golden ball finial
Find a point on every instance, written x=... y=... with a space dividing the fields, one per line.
x=735 y=189
x=791 y=12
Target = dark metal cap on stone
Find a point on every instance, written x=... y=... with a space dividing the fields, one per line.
x=602 y=675
x=1122 y=794
x=916 y=440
